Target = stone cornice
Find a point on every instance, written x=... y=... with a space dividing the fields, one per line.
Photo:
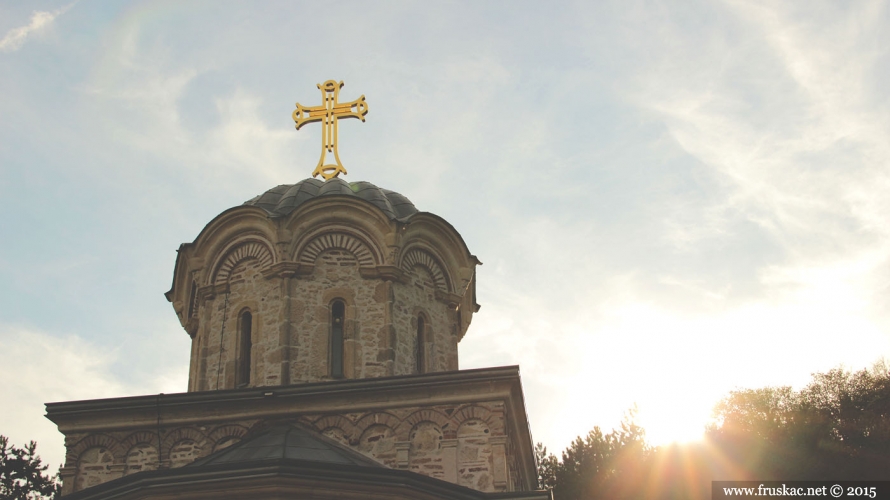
x=452 y=299
x=88 y=415
x=285 y=269
x=390 y=273
x=341 y=396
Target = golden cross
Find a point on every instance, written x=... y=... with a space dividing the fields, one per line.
x=330 y=112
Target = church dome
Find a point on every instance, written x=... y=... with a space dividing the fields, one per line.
x=321 y=281
x=283 y=199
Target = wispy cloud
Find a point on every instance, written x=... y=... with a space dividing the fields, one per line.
x=650 y=186
x=15 y=38
x=40 y=368
x=782 y=117
x=772 y=115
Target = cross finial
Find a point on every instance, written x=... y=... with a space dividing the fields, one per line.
x=330 y=111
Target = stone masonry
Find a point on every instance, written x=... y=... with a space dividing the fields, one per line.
x=286 y=273
x=342 y=315
x=461 y=444
x=472 y=444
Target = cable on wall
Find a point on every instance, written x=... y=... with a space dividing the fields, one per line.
x=221 y=333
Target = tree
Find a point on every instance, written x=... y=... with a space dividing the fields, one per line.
x=599 y=465
x=22 y=474
x=546 y=464
x=838 y=426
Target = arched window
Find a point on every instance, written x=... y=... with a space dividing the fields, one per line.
x=338 y=313
x=419 y=345
x=243 y=371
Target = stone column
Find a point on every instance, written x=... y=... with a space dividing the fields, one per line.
x=284 y=329
x=449 y=459
x=68 y=475
x=389 y=347
x=402 y=458
x=499 y=462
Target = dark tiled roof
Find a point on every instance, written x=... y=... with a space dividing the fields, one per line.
x=288 y=442
x=284 y=199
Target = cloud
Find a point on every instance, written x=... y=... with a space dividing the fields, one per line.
x=219 y=132
x=585 y=367
x=246 y=142
x=775 y=106
x=16 y=37
x=38 y=368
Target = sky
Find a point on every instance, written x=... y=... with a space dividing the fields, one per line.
x=671 y=200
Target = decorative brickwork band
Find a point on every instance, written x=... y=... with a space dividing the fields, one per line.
x=343 y=241
x=92 y=441
x=417 y=257
x=247 y=250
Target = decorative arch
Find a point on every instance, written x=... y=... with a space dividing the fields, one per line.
x=473 y=412
x=310 y=251
x=377 y=418
x=182 y=434
x=251 y=249
x=224 y=435
x=337 y=422
x=95 y=465
x=422 y=258
x=92 y=441
x=447 y=425
x=139 y=438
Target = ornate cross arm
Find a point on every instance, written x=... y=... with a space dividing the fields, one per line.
x=330 y=113
x=308 y=114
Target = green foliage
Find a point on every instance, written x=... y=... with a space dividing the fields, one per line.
x=22 y=474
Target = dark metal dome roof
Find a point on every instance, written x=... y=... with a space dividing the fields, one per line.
x=284 y=199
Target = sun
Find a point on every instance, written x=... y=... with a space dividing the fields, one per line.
x=664 y=427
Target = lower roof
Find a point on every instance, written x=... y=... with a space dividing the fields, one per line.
x=287 y=441
x=288 y=478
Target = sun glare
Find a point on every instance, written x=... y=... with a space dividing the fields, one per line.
x=666 y=429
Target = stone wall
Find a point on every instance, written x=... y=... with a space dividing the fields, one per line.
x=95 y=458
x=249 y=291
x=463 y=444
x=286 y=272
x=291 y=324
x=336 y=276
x=410 y=300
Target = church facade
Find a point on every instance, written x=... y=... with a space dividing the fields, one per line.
x=325 y=318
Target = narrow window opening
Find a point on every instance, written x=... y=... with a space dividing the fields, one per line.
x=193 y=297
x=338 y=311
x=419 y=345
x=243 y=372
